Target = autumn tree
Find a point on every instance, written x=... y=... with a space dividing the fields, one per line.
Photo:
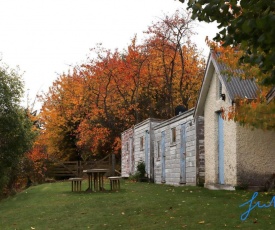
x=34 y=162
x=61 y=114
x=130 y=79
x=175 y=63
x=245 y=24
x=85 y=112
x=102 y=120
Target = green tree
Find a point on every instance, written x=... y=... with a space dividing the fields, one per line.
x=16 y=135
x=245 y=23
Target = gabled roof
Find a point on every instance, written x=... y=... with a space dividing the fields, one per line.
x=235 y=86
x=147 y=121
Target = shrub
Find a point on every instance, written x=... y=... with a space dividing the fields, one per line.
x=134 y=177
x=140 y=173
x=141 y=168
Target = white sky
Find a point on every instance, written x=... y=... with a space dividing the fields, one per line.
x=45 y=37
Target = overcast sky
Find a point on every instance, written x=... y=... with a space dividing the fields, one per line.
x=45 y=37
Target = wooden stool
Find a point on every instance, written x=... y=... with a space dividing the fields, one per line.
x=115 y=182
x=76 y=184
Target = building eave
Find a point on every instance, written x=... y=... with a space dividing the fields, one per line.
x=199 y=109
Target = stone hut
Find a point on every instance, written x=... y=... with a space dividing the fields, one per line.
x=172 y=150
x=179 y=150
x=234 y=155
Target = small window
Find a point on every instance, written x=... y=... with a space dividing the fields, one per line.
x=158 y=150
x=173 y=132
x=141 y=143
x=127 y=146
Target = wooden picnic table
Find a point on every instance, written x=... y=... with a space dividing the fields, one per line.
x=95 y=179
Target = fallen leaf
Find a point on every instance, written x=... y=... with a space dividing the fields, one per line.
x=202 y=222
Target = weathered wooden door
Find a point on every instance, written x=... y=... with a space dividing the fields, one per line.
x=147 y=152
x=220 y=149
x=132 y=160
x=163 y=156
x=183 y=154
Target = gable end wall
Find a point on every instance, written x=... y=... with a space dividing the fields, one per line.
x=212 y=105
x=172 y=151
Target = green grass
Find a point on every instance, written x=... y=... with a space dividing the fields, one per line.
x=135 y=206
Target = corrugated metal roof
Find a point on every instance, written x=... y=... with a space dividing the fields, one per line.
x=235 y=86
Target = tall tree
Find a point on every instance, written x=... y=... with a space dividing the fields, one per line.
x=61 y=115
x=248 y=24
x=85 y=112
x=16 y=135
x=175 y=63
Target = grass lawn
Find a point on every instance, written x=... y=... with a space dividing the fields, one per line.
x=135 y=206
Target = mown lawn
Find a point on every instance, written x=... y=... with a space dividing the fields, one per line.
x=136 y=206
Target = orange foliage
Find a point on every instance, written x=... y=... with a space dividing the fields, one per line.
x=85 y=112
x=231 y=57
x=257 y=112
x=37 y=156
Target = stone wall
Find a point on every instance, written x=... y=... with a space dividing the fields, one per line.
x=256 y=156
x=213 y=104
x=200 y=150
x=191 y=158
x=140 y=132
x=248 y=154
x=172 y=150
x=127 y=161
x=194 y=146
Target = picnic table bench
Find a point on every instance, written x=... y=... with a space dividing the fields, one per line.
x=115 y=182
x=76 y=184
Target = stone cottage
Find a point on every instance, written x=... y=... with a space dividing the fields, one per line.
x=137 y=146
x=234 y=155
x=179 y=150
x=173 y=150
